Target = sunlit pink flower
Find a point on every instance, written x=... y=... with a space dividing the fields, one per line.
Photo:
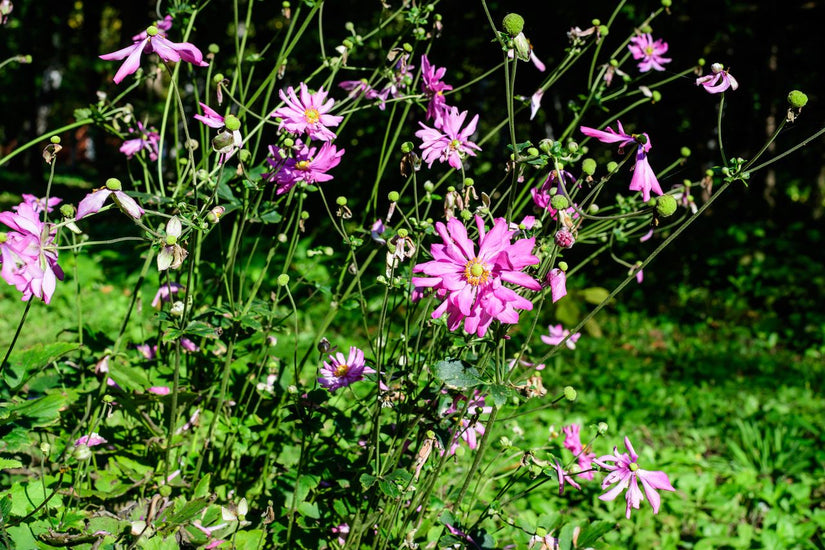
x=29 y=254
x=40 y=204
x=718 y=81
x=547 y=542
x=472 y=284
x=468 y=432
x=559 y=333
x=90 y=440
x=342 y=371
x=450 y=143
x=307 y=164
x=156 y=42
x=148 y=139
x=643 y=47
x=573 y=443
x=564 y=477
x=644 y=179
x=308 y=114
x=557 y=279
x=434 y=89
x=625 y=473
x=93 y=202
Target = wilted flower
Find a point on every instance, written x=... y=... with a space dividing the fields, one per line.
x=309 y=113
x=557 y=279
x=557 y=334
x=154 y=41
x=93 y=202
x=472 y=283
x=535 y=102
x=341 y=371
x=625 y=474
x=564 y=477
x=643 y=47
x=171 y=255
x=718 y=81
x=148 y=139
x=450 y=144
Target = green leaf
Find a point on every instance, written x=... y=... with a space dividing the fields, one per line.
x=309 y=509
x=6 y=463
x=367 y=480
x=199 y=328
x=501 y=394
x=202 y=488
x=455 y=375
x=26 y=363
x=44 y=410
x=389 y=488
x=305 y=484
x=127 y=376
x=566 y=537
x=593 y=532
x=273 y=216
x=187 y=511
x=249 y=540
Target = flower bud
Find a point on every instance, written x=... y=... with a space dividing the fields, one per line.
x=214 y=215
x=283 y=279
x=656 y=96
x=217 y=77
x=685 y=152
x=224 y=141
x=564 y=238
x=513 y=24
x=341 y=201
x=68 y=210
x=232 y=123
x=82 y=453
x=589 y=166
x=522 y=47
x=666 y=3
x=151 y=31
x=570 y=393
x=469 y=182
x=563 y=266
x=602 y=427
x=407 y=147
x=403 y=233
x=572 y=146
x=466 y=215
x=177 y=309
x=559 y=202
x=797 y=99
x=393 y=196
x=612 y=166
x=113 y=184
x=532 y=151
x=546 y=145
x=429 y=187
x=666 y=205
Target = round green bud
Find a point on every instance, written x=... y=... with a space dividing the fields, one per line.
x=437 y=17
x=165 y=490
x=450 y=189
x=45 y=448
x=797 y=99
x=596 y=22
x=646 y=29
x=563 y=266
x=593 y=208
x=604 y=30
x=532 y=151
x=559 y=202
x=651 y=201
x=55 y=139
x=348 y=44
x=701 y=62
x=304 y=215
x=217 y=77
x=572 y=146
x=656 y=96
x=469 y=182
x=466 y=215
x=666 y=3
x=151 y=31
x=245 y=155
x=393 y=196
x=283 y=279
x=68 y=210
x=546 y=145
x=460 y=452
x=429 y=187
x=589 y=166
x=289 y=142
x=666 y=205
x=612 y=166
x=403 y=233
x=113 y=184
x=407 y=47
x=602 y=427
x=614 y=63
x=171 y=239
x=541 y=532
x=349 y=26
x=685 y=152
x=513 y=24
x=232 y=123
x=25 y=59
x=108 y=399
x=285 y=4
x=407 y=147
x=570 y=393
x=213 y=48
x=341 y=201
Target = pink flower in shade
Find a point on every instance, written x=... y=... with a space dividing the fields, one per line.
x=28 y=254
x=341 y=532
x=434 y=89
x=718 y=81
x=557 y=279
x=643 y=47
x=308 y=114
x=472 y=283
x=625 y=474
x=153 y=42
x=166 y=291
x=573 y=444
x=93 y=202
x=342 y=371
x=564 y=477
x=644 y=179
x=188 y=345
x=40 y=204
x=450 y=143
x=147 y=139
x=148 y=351
x=90 y=440
x=557 y=334
x=159 y=390
x=308 y=164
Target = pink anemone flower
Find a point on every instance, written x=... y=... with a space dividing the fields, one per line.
x=308 y=113
x=643 y=47
x=451 y=143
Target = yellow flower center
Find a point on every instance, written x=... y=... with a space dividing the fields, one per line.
x=302 y=165
x=341 y=371
x=312 y=115
x=633 y=466
x=476 y=272
x=649 y=50
x=455 y=144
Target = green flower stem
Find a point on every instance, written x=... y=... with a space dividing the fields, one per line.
x=767 y=144
x=45 y=137
x=719 y=129
x=786 y=153
x=478 y=455
x=150 y=254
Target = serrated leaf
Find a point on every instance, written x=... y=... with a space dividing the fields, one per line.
x=44 y=410
x=6 y=463
x=187 y=511
x=389 y=488
x=455 y=375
